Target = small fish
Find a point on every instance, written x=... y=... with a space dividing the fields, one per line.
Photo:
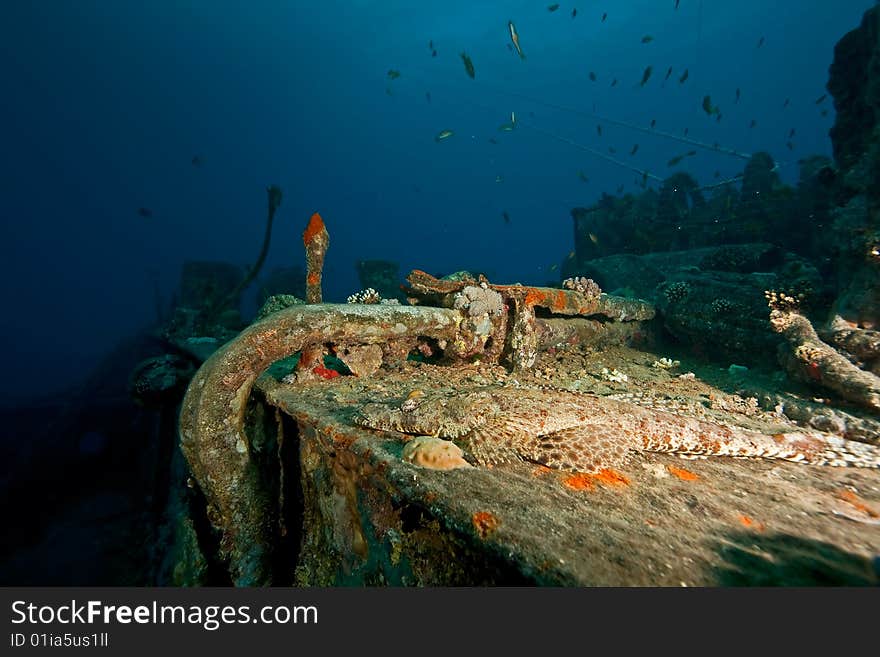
x=468 y=65
x=691 y=153
x=506 y=217
x=514 y=37
x=553 y=7
x=821 y=99
x=737 y=95
x=718 y=118
x=388 y=91
x=646 y=75
x=592 y=76
x=506 y=127
x=612 y=150
x=787 y=101
x=393 y=74
x=653 y=122
x=684 y=76
x=599 y=130
x=789 y=145
x=574 y=12
x=685 y=132
x=492 y=140
x=571 y=255
x=791 y=133
x=676 y=4
x=717 y=174
x=499 y=179
x=593 y=239
x=824 y=112
x=433 y=53
x=753 y=123
x=760 y=42
x=145 y=212
x=583 y=177
x=707 y=106
x=443 y=134
x=554 y=267
x=675 y=160
x=604 y=16
x=644 y=179
x=614 y=82
x=428 y=96
x=431 y=44
x=197 y=161
x=647 y=38
x=635 y=149
x=668 y=73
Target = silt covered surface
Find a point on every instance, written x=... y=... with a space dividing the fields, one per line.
x=368 y=516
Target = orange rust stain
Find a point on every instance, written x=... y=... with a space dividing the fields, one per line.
x=485 y=523
x=857 y=502
x=681 y=473
x=579 y=481
x=313 y=278
x=316 y=225
x=541 y=470
x=746 y=521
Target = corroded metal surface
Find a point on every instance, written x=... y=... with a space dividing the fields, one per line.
x=213 y=437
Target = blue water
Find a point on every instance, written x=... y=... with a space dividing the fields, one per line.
x=106 y=102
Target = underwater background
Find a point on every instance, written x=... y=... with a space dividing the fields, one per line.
x=138 y=137
x=107 y=103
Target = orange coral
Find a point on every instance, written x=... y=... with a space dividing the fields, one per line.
x=325 y=373
x=579 y=481
x=611 y=477
x=485 y=523
x=534 y=297
x=586 y=481
x=681 y=473
x=746 y=521
x=857 y=502
x=316 y=225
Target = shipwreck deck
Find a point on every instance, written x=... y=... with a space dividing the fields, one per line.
x=364 y=515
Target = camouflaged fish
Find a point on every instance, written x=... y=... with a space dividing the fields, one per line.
x=582 y=432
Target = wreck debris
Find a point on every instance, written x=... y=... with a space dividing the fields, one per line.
x=213 y=439
x=316 y=240
x=808 y=358
x=862 y=344
x=472 y=324
x=522 y=339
